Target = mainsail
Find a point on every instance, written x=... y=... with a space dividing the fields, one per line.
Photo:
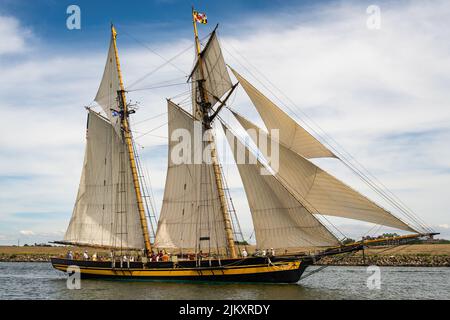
x=214 y=74
x=107 y=92
x=280 y=220
x=291 y=134
x=319 y=191
x=191 y=214
x=105 y=212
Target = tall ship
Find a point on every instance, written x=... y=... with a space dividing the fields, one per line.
x=288 y=195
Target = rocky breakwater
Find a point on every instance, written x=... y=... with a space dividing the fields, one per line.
x=4 y=257
x=398 y=260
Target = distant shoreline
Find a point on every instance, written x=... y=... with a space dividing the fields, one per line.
x=417 y=255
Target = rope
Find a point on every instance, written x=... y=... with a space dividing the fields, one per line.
x=151 y=118
x=144 y=134
x=159 y=87
x=325 y=266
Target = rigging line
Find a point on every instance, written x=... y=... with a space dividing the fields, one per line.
x=377 y=226
x=159 y=87
x=187 y=92
x=284 y=183
x=154 y=135
x=389 y=200
x=185 y=101
x=167 y=61
x=148 y=119
x=166 y=81
x=144 y=134
x=344 y=159
x=325 y=266
x=144 y=177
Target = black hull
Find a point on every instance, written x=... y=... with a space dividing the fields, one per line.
x=262 y=270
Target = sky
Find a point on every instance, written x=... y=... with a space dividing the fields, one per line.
x=381 y=94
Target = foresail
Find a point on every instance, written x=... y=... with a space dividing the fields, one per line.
x=279 y=219
x=105 y=212
x=216 y=78
x=291 y=134
x=319 y=191
x=107 y=92
x=191 y=215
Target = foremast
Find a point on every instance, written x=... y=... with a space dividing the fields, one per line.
x=129 y=142
x=203 y=112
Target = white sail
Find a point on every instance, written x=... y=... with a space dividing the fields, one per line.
x=322 y=193
x=191 y=215
x=105 y=212
x=279 y=219
x=291 y=134
x=109 y=86
x=216 y=78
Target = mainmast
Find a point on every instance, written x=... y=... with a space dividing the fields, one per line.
x=129 y=142
x=205 y=107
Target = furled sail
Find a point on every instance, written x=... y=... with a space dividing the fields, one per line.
x=106 y=212
x=191 y=215
x=215 y=75
x=319 y=191
x=291 y=134
x=109 y=86
x=279 y=219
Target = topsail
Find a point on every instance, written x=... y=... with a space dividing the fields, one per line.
x=215 y=78
x=109 y=87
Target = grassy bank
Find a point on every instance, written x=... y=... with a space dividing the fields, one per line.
x=38 y=254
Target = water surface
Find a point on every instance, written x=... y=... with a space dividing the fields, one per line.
x=41 y=281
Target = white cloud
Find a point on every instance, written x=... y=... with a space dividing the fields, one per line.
x=13 y=36
x=27 y=233
x=444 y=226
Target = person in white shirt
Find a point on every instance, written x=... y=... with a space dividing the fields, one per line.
x=244 y=253
x=85 y=255
x=264 y=253
x=272 y=252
